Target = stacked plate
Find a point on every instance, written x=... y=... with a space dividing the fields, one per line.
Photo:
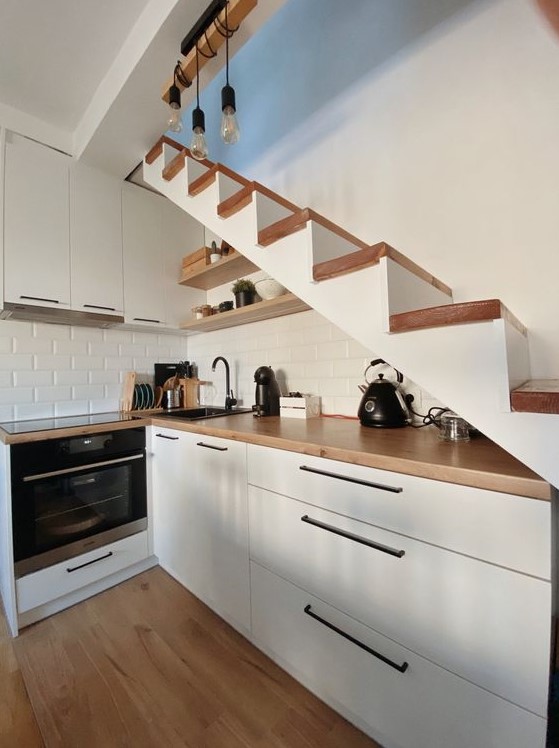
x=144 y=397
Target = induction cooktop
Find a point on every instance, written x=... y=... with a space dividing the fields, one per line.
x=64 y=422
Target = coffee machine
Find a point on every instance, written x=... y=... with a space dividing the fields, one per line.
x=267 y=392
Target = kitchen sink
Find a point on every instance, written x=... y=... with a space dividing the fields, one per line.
x=195 y=414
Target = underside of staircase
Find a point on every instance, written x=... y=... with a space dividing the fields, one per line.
x=473 y=356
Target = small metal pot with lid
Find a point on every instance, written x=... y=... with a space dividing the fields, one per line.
x=382 y=404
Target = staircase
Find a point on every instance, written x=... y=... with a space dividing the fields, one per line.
x=472 y=356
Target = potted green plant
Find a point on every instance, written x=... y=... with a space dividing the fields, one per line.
x=244 y=292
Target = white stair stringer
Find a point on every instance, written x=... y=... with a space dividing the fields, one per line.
x=469 y=367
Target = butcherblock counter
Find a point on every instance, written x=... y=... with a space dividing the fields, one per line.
x=479 y=463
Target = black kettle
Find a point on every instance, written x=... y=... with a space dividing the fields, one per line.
x=382 y=404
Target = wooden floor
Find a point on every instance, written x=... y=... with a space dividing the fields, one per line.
x=145 y=664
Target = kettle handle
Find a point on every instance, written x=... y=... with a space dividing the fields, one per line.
x=399 y=375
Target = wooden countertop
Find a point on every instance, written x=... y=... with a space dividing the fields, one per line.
x=479 y=463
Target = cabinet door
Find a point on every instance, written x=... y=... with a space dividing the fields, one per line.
x=96 y=240
x=36 y=224
x=144 y=290
x=200 y=519
x=172 y=512
x=485 y=623
x=423 y=707
x=182 y=235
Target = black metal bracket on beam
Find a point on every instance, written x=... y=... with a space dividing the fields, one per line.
x=202 y=25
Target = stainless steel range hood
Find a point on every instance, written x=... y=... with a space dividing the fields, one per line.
x=56 y=316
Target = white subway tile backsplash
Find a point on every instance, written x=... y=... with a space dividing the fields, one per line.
x=72 y=370
x=7 y=344
x=131 y=349
x=34 y=410
x=104 y=377
x=330 y=351
x=52 y=394
x=71 y=376
x=119 y=362
x=70 y=347
x=15 y=361
x=304 y=353
x=33 y=345
x=50 y=332
x=18 y=329
x=88 y=362
x=88 y=392
x=15 y=395
x=103 y=349
x=33 y=378
x=87 y=334
x=71 y=408
x=52 y=362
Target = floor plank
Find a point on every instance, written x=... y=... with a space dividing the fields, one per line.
x=18 y=726
x=146 y=664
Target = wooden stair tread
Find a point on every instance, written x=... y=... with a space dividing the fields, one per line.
x=204 y=180
x=243 y=197
x=368 y=257
x=536 y=396
x=297 y=222
x=454 y=314
x=157 y=149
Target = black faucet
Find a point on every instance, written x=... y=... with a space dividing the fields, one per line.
x=229 y=399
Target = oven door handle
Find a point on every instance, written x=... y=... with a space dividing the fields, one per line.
x=81 y=468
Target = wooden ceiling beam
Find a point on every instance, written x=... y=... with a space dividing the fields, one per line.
x=237 y=11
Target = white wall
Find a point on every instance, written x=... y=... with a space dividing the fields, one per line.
x=441 y=139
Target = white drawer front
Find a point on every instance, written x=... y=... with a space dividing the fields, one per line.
x=485 y=623
x=48 y=584
x=508 y=530
x=423 y=707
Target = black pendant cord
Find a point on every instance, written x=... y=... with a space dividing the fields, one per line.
x=226 y=48
x=180 y=76
x=197 y=81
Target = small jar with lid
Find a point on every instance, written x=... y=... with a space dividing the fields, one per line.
x=204 y=310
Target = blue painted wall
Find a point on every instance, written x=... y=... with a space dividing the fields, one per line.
x=309 y=53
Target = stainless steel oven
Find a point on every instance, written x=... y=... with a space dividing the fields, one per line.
x=75 y=494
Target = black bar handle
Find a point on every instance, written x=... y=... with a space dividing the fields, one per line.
x=88 y=563
x=400 y=668
x=352 y=536
x=392 y=489
x=96 y=306
x=211 y=446
x=40 y=298
x=145 y=319
x=164 y=436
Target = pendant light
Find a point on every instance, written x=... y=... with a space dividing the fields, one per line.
x=230 y=133
x=198 y=144
x=174 y=122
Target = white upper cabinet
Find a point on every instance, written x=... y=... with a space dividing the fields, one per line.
x=36 y=224
x=156 y=236
x=96 y=241
x=144 y=292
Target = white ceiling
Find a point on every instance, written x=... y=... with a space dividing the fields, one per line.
x=85 y=76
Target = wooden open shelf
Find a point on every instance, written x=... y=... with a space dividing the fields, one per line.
x=227 y=269
x=282 y=305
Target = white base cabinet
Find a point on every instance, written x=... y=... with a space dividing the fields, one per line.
x=41 y=587
x=423 y=707
x=454 y=610
x=201 y=519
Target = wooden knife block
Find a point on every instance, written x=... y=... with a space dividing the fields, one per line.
x=189 y=392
